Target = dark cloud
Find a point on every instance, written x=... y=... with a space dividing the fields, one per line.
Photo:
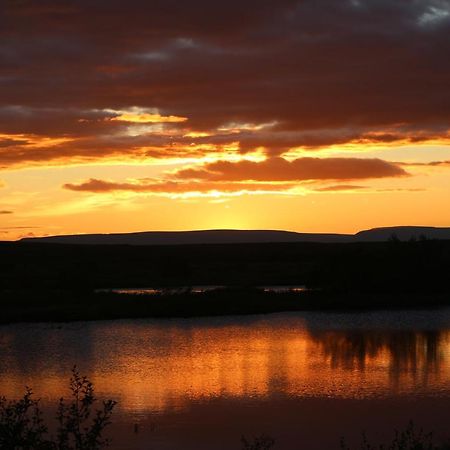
x=171 y=187
x=429 y=164
x=279 y=169
x=274 y=175
x=324 y=71
x=161 y=145
x=6 y=212
x=89 y=149
x=5 y=143
x=340 y=187
x=277 y=141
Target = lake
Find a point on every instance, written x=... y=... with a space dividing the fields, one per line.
x=304 y=378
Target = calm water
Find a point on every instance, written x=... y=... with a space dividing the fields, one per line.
x=304 y=378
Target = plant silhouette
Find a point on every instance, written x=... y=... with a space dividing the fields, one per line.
x=262 y=442
x=79 y=425
x=410 y=438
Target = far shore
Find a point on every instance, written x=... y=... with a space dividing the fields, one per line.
x=67 y=306
x=57 y=282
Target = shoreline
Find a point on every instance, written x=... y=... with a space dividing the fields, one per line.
x=71 y=306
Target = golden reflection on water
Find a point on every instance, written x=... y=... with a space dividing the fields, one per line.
x=161 y=366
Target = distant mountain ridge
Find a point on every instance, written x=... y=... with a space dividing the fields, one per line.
x=402 y=233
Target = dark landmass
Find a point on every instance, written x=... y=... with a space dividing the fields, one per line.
x=39 y=281
x=405 y=233
x=66 y=306
x=243 y=236
x=192 y=237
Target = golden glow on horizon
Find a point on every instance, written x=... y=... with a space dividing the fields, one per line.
x=32 y=192
x=217 y=193
x=131 y=105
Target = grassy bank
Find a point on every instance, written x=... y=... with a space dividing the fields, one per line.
x=60 y=305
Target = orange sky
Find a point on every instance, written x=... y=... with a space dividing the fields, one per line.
x=301 y=116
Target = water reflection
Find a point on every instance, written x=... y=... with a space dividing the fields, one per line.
x=168 y=365
x=283 y=289
x=405 y=350
x=163 y=290
x=280 y=289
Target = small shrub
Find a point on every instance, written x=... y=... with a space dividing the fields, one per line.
x=21 y=424
x=79 y=426
x=262 y=442
x=408 y=439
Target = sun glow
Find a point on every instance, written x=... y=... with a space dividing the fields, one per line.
x=148 y=118
x=143 y=115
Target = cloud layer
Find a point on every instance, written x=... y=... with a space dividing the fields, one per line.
x=83 y=81
x=272 y=175
x=279 y=169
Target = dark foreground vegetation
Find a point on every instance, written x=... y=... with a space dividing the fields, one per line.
x=78 y=425
x=411 y=438
x=58 y=282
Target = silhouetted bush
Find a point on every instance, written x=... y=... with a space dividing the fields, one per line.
x=79 y=426
x=409 y=439
x=262 y=442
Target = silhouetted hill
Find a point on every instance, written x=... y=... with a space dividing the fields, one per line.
x=193 y=237
x=402 y=233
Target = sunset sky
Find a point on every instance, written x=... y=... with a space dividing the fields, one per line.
x=315 y=116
